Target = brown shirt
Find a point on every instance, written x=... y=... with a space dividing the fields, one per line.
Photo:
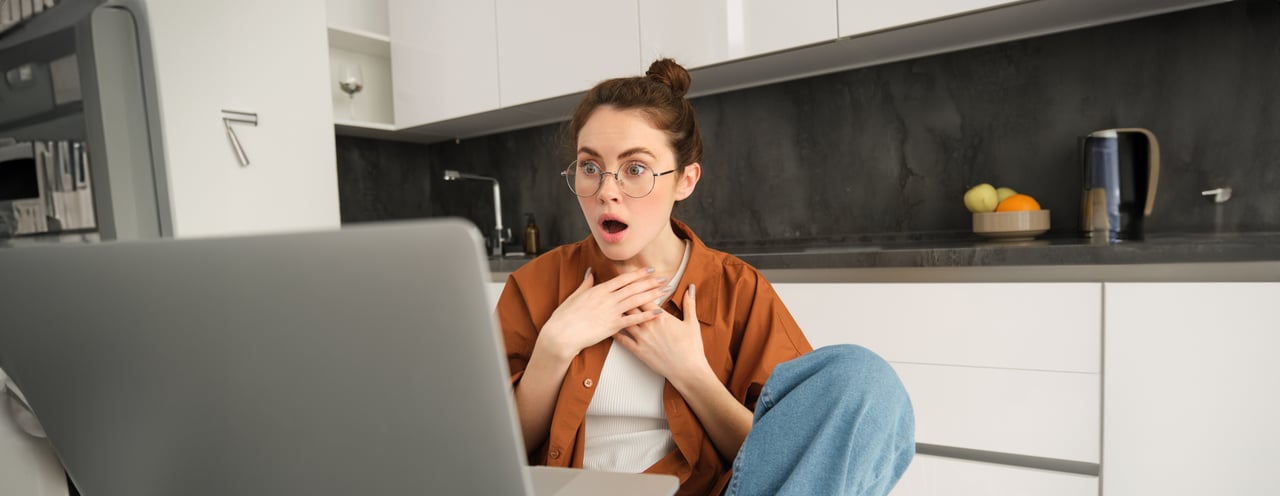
x=746 y=331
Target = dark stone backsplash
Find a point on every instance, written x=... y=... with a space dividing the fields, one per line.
x=889 y=150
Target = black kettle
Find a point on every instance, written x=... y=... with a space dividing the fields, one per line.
x=1121 y=169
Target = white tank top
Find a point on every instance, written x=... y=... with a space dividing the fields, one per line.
x=626 y=425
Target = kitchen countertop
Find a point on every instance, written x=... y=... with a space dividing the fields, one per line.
x=965 y=257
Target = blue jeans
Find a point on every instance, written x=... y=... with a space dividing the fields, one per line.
x=834 y=421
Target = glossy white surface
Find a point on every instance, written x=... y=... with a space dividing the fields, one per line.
x=358 y=15
x=938 y=476
x=543 y=56
x=557 y=47
x=1024 y=412
x=1029 y=326
x=697 y=34
x=445 y=59
x=1191 y=388
x=215 y=56
x=1011 y=368
x=866 y=16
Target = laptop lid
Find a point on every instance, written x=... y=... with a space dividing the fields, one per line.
x=359 y=361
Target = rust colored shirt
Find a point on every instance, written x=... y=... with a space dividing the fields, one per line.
x=746 y=331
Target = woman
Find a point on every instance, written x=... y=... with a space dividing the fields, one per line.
x=641 y=349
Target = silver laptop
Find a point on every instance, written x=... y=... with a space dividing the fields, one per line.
x=358 y=361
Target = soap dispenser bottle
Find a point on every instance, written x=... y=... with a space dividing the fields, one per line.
x=530 y=236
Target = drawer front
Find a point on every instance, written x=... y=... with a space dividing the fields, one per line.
x=938 y=476
x=1028 y=326
x=1024 y=412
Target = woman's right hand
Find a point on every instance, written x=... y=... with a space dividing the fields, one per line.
x=594 y=312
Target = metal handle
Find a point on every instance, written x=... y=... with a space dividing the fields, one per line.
x=1153 y=165
x=230 y=116
x=1220 y=195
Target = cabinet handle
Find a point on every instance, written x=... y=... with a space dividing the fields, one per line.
x=230 y=116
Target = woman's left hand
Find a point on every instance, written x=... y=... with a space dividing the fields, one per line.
x=670 y=346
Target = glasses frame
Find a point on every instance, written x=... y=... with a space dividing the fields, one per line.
x=566 y=175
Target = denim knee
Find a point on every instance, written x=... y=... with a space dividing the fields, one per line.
x=845 y=360
x=854 y=370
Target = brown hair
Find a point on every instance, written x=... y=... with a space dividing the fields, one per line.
x=660 y=95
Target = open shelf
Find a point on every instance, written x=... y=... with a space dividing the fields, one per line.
x=360 y=41
x=372 y=107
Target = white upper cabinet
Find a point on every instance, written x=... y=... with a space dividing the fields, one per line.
x=464 y=69
x=866 y=16
x=360 y=16
x=698 y=34
x=265 y=58
x=360 y=49
x=444 y=59
x=558 y=47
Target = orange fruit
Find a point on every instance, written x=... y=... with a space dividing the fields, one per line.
x=1018 y=202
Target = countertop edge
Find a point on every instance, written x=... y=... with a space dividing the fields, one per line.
x=1265 y=271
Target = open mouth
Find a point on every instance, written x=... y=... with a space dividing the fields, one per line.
x=612 y=226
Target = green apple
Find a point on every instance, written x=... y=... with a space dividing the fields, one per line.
x=981 y=198
x=1003 y=192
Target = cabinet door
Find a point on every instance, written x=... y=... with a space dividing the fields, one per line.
x=698 y=34
x=939 y=476
x=365 y=16
x=865 y=16
x=444 y=60
x=557 y=47
x=1008 y=367
x=269 y=58
x=1191 y=403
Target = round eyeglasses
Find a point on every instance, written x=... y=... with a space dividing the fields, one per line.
x=635 y=179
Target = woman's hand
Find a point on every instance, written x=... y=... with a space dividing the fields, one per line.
x=670 y=346
x=594 y=312
x=673 y=348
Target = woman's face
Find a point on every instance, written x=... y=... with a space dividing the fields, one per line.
x=615 y=140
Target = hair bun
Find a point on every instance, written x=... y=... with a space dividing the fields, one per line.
x=670 y=74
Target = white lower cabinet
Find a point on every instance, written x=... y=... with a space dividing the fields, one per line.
x=940 y=476
x=1011 y=370
x=1191 y=389
x=1021 y=412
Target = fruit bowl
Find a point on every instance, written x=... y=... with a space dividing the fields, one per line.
x=1012 y=226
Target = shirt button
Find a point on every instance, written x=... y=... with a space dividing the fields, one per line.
x=587 y=383
x=555 y=454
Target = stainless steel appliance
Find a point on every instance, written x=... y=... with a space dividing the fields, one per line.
x=1121 y=169
x=79 y=126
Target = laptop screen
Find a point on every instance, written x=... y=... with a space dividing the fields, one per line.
x=357 y=361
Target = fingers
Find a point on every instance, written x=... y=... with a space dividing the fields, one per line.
x=644 y=300
x=636 y=318
x=626 y=340
x=631 y=289
x=690 y=304
x=626 y=278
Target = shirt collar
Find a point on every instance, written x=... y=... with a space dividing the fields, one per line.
x=701 y=272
